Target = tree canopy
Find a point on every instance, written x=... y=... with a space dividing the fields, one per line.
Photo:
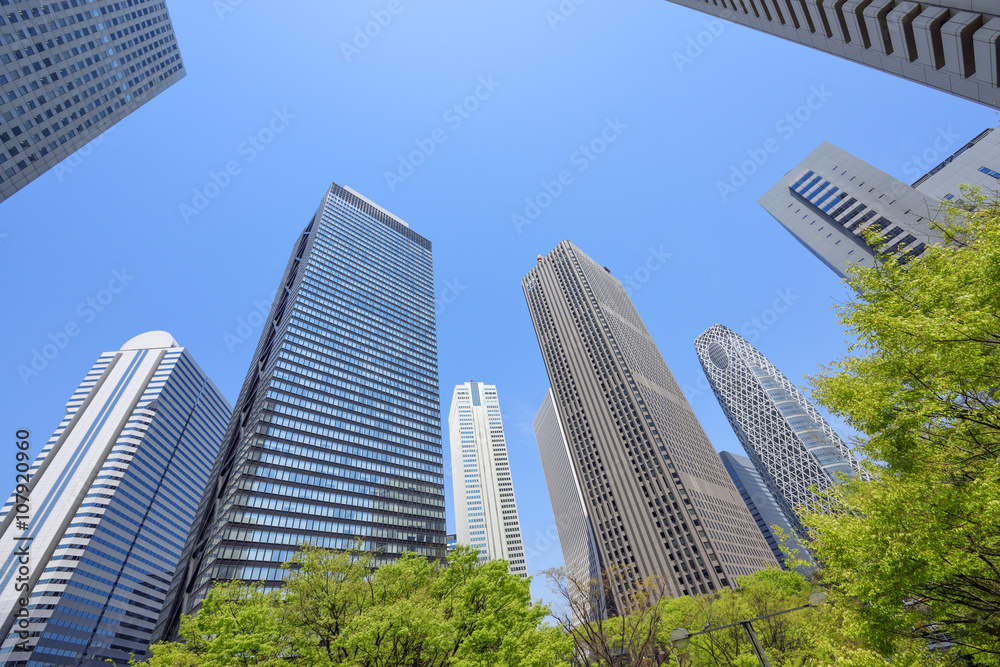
x=918 y=547
x=336 y=609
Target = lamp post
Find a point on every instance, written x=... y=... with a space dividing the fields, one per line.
x=680 y=637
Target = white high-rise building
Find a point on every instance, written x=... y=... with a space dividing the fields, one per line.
x=87 y=550
x=485 y=510
x=832 y=198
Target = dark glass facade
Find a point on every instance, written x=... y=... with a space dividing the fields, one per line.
x=336 y=435
x=762 y=505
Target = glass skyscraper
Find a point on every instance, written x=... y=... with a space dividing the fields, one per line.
x=485 y=509
x=660 y=502
x=70 y=70
x=336 y=435
x=788 y=441
x=112 y=496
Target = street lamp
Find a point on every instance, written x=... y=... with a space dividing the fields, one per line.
x=680 y=637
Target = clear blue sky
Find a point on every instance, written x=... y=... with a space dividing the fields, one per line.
x=348 y=117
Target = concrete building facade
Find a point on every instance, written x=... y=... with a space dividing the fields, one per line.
x=831 y=199
x=950 y=45
x=660 y=502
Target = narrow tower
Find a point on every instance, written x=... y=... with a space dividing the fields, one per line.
x=485 y=509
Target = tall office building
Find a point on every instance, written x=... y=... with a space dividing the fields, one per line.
x=660 y=502
x=951 y=45
x=763 y=506
x=112 y=496
x=485 y=509
x=831 y=198
x=576 y=530
x=789 y=442
x=69 y=71
x=336 y=435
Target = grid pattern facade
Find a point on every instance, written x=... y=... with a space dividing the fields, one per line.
x=660 y=501
x=951 y=45
x=485 y=508
x=336 y=436
x=69 y=70
x=113 y=494
x=576 y=531
x=762 y=504
x=788 y=441
x=977 y=163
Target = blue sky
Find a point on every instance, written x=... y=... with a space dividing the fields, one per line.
x=273 y=95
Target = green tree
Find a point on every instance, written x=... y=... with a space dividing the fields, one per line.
x=918 y=547
x=806 y=637
x=336 y=609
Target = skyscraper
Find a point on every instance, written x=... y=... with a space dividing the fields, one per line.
x=112 y=496
x=950 y=45
x=788 y=441
x=762 y=505
x=69 y=71
x=573 y=523
x=831 y=198
x=660 y=502
x=485 y=509
x=336 y=436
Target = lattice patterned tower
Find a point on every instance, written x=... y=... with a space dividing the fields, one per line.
x=788 y=441
x=950 y=45
x=485 y=509
x=659 y=498
x=112 y=496
x=337 y=430
x=70 y=70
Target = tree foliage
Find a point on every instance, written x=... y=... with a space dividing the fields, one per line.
x=603 y=635
x=813 y=636
x=918 y=547
x=335 y=609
